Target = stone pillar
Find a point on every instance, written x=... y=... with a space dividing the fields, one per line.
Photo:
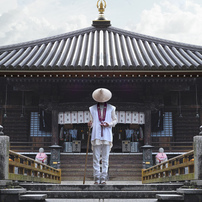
x=147 y=129
x=198 y=157
x=4 y=155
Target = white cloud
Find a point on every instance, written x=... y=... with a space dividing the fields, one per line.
x=25 y=20
x=178 y=22
x=38 y=19
x=5 y=5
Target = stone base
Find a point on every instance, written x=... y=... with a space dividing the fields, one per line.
x=189 y=191
x=33 y=197
x=194 y=195
x=11 y=195
x=5 y=182
x=170 y=197
x=197 y=182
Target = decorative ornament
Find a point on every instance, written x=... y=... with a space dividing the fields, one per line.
x=101 y=6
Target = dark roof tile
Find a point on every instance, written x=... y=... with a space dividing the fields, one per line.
x=101 y=48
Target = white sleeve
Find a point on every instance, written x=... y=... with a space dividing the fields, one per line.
x=114 y=119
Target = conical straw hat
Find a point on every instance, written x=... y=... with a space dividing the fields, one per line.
x=102 y=95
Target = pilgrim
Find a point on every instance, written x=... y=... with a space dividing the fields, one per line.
x=102 y=119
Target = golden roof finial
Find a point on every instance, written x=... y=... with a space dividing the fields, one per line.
x=101 y=7
x=101 y=21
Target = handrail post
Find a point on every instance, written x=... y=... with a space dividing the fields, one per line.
x=198 y=156
x=4 y=154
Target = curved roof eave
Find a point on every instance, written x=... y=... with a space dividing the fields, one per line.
x=101 y=49
x=46 y=39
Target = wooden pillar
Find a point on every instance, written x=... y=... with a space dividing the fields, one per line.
x=55 y=127
x=1 y=116
x=147 y=128
x=200 y=116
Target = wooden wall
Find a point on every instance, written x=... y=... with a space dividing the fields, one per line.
x=15 y=127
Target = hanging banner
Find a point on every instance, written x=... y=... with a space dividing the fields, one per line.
x=86 y=116
x=122 y=117
x=141 y=118
x=74 y=117
x=135 y=117
x=61 y=118
x=128 y=117
x=67 y=117
x=80 y=117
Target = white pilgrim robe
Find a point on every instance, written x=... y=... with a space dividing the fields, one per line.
x=110 y=118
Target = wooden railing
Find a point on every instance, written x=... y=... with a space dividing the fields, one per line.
x=22 y=168
x=180 y=168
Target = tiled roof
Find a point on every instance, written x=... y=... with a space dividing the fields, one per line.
x=101 y=49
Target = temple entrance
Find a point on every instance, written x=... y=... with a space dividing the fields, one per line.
x=127 y=138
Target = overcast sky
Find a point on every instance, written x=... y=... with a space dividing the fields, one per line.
x=26 y=20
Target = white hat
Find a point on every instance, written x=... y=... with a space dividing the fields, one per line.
x=102 y=95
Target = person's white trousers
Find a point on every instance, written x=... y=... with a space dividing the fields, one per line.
x=101 y=151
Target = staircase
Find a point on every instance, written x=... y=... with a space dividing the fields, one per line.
x=122 y=167
x=116 y=191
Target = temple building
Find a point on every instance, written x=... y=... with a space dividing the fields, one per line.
x=47 y=84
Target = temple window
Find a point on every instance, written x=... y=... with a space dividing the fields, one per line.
x=35 y=127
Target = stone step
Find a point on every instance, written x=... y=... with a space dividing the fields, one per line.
x=113 y=191
x=120 y=171
x=101 y=200
x=111 y=169
x=111 y=164
x=121 y=167
x=120 y=176
x=88 y=187
x=10 y=191
x=170 y=197
x=112 y=159
x=76 y=178
x=79 y=165
x=112 y=178
x=33 y=197
x=102 y=194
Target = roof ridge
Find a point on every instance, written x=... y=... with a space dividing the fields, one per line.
x=92 y=28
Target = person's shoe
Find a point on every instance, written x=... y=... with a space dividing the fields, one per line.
x=103 y=182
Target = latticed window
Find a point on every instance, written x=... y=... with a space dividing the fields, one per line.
x=167 y=126
x=35 y=127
